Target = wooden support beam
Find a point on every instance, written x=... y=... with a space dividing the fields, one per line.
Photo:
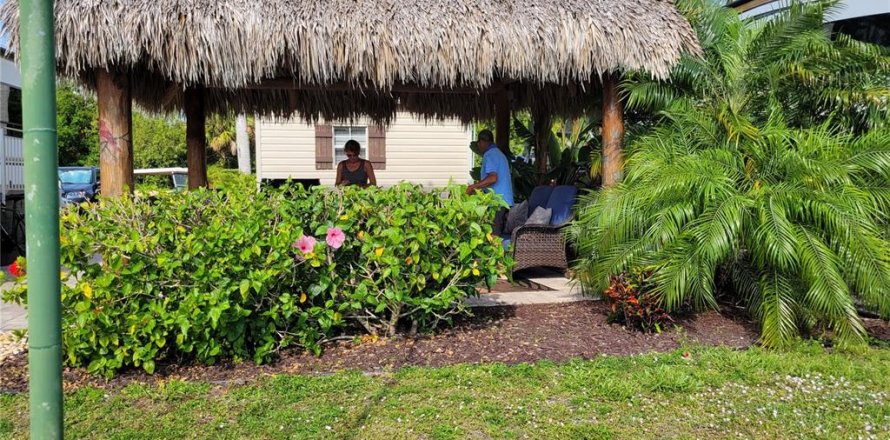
x=290 y=84
x=196 y=137
x=113 y=95
x=613 y=131
x=502 y=121
x=542 y=128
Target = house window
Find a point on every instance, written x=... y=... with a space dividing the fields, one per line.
x=343 y=134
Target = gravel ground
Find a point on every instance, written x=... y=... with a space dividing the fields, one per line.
x=11 y=345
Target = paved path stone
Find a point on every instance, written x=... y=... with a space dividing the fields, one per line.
x=563 y=291
x=12 y=317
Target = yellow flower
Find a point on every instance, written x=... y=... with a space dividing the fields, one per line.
x=475 y=272
x=489 y=237
x=180 y=229
x=378 y=251
x=409 y=260
x=344 y=217
x=336 y=316
x=87 y=291
x=361 y=235
x=302 y=297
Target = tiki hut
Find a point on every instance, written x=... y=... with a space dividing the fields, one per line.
x=340 y=59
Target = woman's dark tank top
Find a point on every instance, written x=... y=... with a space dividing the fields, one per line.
x=357 y=177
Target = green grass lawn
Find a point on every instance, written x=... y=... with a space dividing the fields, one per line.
x=714 y=393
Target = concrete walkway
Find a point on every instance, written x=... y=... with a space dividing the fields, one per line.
x=563 y=291
x=12 y=317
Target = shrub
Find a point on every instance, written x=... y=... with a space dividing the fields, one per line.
x=767 y=164
x=226 y=179
x=632 y=303
x=206 y=275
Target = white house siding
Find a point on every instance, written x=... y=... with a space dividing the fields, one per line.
x=846 y=8
x=428 y=153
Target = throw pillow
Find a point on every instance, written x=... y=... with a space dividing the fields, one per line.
x=517 y=216
x=541 y=216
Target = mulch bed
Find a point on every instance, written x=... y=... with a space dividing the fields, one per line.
x=506 y=334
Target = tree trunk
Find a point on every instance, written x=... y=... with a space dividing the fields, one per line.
x=502 y=121
x=542 y=126
x=196 y=137
x=243 y=142
x=115 y=132
x=613 y=131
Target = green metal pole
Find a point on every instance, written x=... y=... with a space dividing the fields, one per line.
x=42 y=217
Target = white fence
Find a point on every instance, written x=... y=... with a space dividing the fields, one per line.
x=12 y=163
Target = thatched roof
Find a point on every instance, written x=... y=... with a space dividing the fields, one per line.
x=377 y=51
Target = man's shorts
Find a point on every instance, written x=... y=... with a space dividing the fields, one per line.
x=500 y=221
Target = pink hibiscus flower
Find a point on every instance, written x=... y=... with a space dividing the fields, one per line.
x=305 y=244
x=335 y=238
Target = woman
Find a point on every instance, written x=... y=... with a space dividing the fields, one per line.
x=354 y=170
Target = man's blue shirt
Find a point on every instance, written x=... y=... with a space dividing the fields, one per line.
x=494 y=161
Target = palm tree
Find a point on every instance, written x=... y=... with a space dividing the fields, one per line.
x=783 y=188
x=790 y=58
x=574 y=152
x=222 y=136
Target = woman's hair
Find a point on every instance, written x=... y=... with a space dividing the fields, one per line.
x=353 y=146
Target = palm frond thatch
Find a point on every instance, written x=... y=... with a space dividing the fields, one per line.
x=166 y=45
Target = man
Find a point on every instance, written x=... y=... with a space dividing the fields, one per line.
x=495 y=176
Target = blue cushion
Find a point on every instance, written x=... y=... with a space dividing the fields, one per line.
x=539 y=197
x=561 y=201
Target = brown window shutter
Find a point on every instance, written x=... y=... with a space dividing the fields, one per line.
x=324 y=147
x=377 y=146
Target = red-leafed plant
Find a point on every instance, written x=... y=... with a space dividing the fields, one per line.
x=17 y=268
x=632 y=303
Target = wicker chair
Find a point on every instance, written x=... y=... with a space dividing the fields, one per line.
x=545 y=245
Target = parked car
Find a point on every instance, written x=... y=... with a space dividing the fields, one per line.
x=175 y=178
x=78 y=184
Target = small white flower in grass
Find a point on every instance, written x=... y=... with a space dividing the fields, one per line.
x=328 y=427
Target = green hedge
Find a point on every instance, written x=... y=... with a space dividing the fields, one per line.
x=206 y=275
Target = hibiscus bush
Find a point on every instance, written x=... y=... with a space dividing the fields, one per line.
x=203 y=276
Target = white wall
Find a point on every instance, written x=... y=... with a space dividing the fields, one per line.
x=9 y=77
x=9 y=73
x=430 y=153
x=847 y=8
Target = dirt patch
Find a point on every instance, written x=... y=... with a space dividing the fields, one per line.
x=877 y=328
x=507 y=334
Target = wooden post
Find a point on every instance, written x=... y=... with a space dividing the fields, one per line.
x=113 y=94
x=542 y=127
x=613 y=131
x=195 y=137
x=502 y=121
